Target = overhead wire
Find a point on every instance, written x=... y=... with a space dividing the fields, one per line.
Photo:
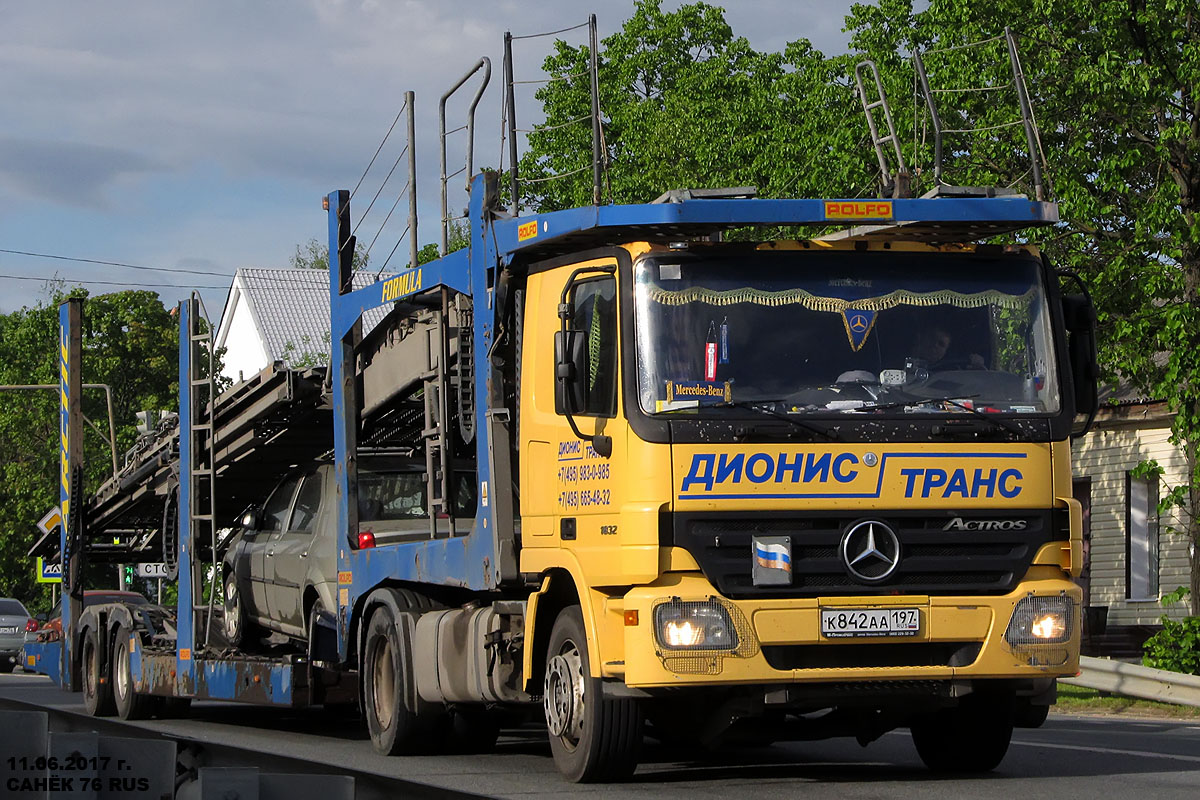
x=113 y=263
x=59 y=279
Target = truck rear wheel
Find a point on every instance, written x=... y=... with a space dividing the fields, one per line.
x=97 y=691
x=973 y=737
x=387 y=673
x=592 y=738
x=130 y=704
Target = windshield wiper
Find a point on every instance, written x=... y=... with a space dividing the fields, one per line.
x=761 y=407
x=954 y=401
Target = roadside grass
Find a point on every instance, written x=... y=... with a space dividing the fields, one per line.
x=1079 y=700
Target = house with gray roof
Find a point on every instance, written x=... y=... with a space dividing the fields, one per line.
x=281 y=315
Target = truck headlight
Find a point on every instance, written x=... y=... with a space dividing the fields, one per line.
x=1041 y=620
x=703 y=625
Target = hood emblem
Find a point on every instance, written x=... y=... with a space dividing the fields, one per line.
x=870 y=551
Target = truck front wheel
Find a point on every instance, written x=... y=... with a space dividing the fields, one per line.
x=592 y=738
x=972 y=737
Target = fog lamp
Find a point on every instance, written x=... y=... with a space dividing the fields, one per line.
x=1041 y=620
x=703 y=625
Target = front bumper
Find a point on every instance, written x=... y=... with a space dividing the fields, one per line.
x=779 y=641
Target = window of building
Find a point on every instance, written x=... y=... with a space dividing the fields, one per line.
x=1141 y=538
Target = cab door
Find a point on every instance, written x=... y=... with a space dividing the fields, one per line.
x=579 y=515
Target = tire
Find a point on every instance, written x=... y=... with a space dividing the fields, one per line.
x=129 y=704
x=238 y=630
x=7 y=666
x=472 y=731
x=592 y=738
x=322 y=639
x=97 y=690
x=971 y=738
x=322 y=646
x=395 y=728
x=1027 y=715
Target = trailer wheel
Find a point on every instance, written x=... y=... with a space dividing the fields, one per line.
x=395 y=728
x=97 y=691
x=592 y=738
x=972 y=737
x=130 y=704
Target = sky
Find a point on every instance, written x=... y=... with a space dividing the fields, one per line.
x=202 y=136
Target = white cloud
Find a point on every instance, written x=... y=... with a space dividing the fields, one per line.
x=151 y=117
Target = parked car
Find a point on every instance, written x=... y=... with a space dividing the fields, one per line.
x=14 y=621
x=280 y=569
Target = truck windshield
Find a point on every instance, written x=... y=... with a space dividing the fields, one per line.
x=819 y=333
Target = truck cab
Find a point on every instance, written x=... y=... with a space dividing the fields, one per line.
x=795 y=470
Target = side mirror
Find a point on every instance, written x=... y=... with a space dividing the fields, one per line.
x=1079 y=316
x=42 y=617
x=570 y=362
x=252 y=518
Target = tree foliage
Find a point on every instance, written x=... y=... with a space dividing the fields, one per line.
x=1114 y=87
x=315 y=255
x=130 y=343
x=686 y=104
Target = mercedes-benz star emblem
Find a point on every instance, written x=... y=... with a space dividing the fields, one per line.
x=870 y=551
x=858 y=323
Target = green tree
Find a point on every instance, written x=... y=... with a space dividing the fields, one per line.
x=130 y=342
x=315 y=255
x=1116 y=89
x=1113 y=83
x=686 y=104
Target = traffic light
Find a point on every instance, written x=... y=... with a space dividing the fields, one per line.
x=130 y=573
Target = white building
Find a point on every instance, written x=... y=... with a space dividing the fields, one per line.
x=1134 y=554
x=281 y=315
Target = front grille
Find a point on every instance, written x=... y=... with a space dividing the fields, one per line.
x=862 y=656
x=933 y=561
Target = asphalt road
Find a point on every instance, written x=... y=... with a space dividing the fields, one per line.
x=1070 y=756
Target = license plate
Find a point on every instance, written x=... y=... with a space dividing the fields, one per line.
x=847 y=622
x=8 y=629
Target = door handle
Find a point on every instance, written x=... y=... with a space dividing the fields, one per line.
x=270 y=552
x=304 y=554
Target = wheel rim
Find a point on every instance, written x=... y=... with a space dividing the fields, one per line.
x=123 y=677
x=564 y=696
x=233 y=610
x=383 y=683
x=89 y=672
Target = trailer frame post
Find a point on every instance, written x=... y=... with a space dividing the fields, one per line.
x=70 y=355
x=344 y=389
